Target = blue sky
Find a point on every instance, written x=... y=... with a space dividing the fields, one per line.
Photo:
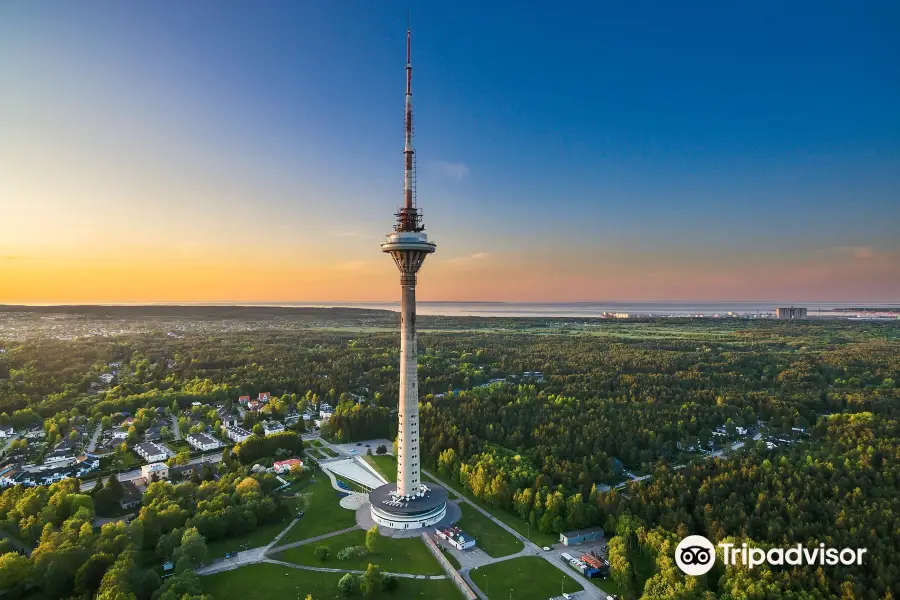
x=650 y=135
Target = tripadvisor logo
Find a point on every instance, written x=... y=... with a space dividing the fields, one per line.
x=695 y=555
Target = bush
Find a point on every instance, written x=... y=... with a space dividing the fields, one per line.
x=390 y=583
x=381 y=449
x=351 y=552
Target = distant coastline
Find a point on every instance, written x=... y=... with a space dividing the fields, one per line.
x=725 y=309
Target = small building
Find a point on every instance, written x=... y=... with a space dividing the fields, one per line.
x=151 y=452
x=107 y=377
x=244 y=399
x=154 y=434
x=34 y=434
x=63 y=457
x=456 y=537
x=228 y=418
x=284 y=466
x=264 y=397
x=580 y=536
x=6 y=432
x=236 y=434
x=161 y=470
x=131 y=496
x=272 y=427
x=202 y=441
x=254 y=405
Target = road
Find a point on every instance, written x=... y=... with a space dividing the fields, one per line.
x=93 y=443
x=176 y=430
x=136 y=474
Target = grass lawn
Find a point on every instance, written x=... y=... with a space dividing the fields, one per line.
x=316 y=443
x=489 y=536
x=513 y=521
x=328 y=451
x=529 y=578
x=323 y=514
x=451 y=558
x=179 y=446
x=276 y=581
x=385 y=464
x=400 y=555
x=315 y=453
x=607 y=585
x=350 y=485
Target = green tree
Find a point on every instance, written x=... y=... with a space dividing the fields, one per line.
x=349 y=584
x=372 y=539
x=371 y=581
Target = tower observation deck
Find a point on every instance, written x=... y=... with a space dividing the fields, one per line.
x=408 y=504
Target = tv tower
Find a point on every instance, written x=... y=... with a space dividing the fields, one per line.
x=409 y=505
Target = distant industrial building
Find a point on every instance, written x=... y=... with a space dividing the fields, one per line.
x=580 y=536
x=790 y=313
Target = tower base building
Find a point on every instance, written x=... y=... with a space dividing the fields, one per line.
x=426 y=510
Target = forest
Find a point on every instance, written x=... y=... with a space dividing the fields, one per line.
x=652 y=397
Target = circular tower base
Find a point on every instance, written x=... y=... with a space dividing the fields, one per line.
x=408 y=514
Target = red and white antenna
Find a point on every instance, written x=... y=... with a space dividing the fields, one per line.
x=408 y=146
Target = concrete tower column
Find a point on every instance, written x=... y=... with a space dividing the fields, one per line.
x=408 y=470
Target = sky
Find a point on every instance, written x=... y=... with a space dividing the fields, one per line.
x=580 y=151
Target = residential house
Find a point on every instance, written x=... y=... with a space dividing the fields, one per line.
x=159 y=469
x=6 y=432
x=202 y=441
x=131 y=497
x=236 y=434
x=253 y=405
x=154 y=434
x=272 y=427
x=151 y=452
x=228 y=419
x=264 y=397
x=244 y=399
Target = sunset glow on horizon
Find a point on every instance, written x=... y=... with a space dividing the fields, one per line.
x=252 y=153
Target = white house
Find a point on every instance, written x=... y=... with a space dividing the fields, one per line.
x=271 y=427
x=151 y=452
x=35 y=434
x=159 y=469
x=201 y=441
x=59 y=458
x=107 y=377
x=236 y=434
x=6 y=432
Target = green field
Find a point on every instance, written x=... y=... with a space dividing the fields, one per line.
x=323 y=514
x=529 y=578
x=489 y=536
x=277 y=581
x=607 y=585
x=328 y=451
x=385 y=464
x=179 y=446
x=315 y=453
x=395 y=555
